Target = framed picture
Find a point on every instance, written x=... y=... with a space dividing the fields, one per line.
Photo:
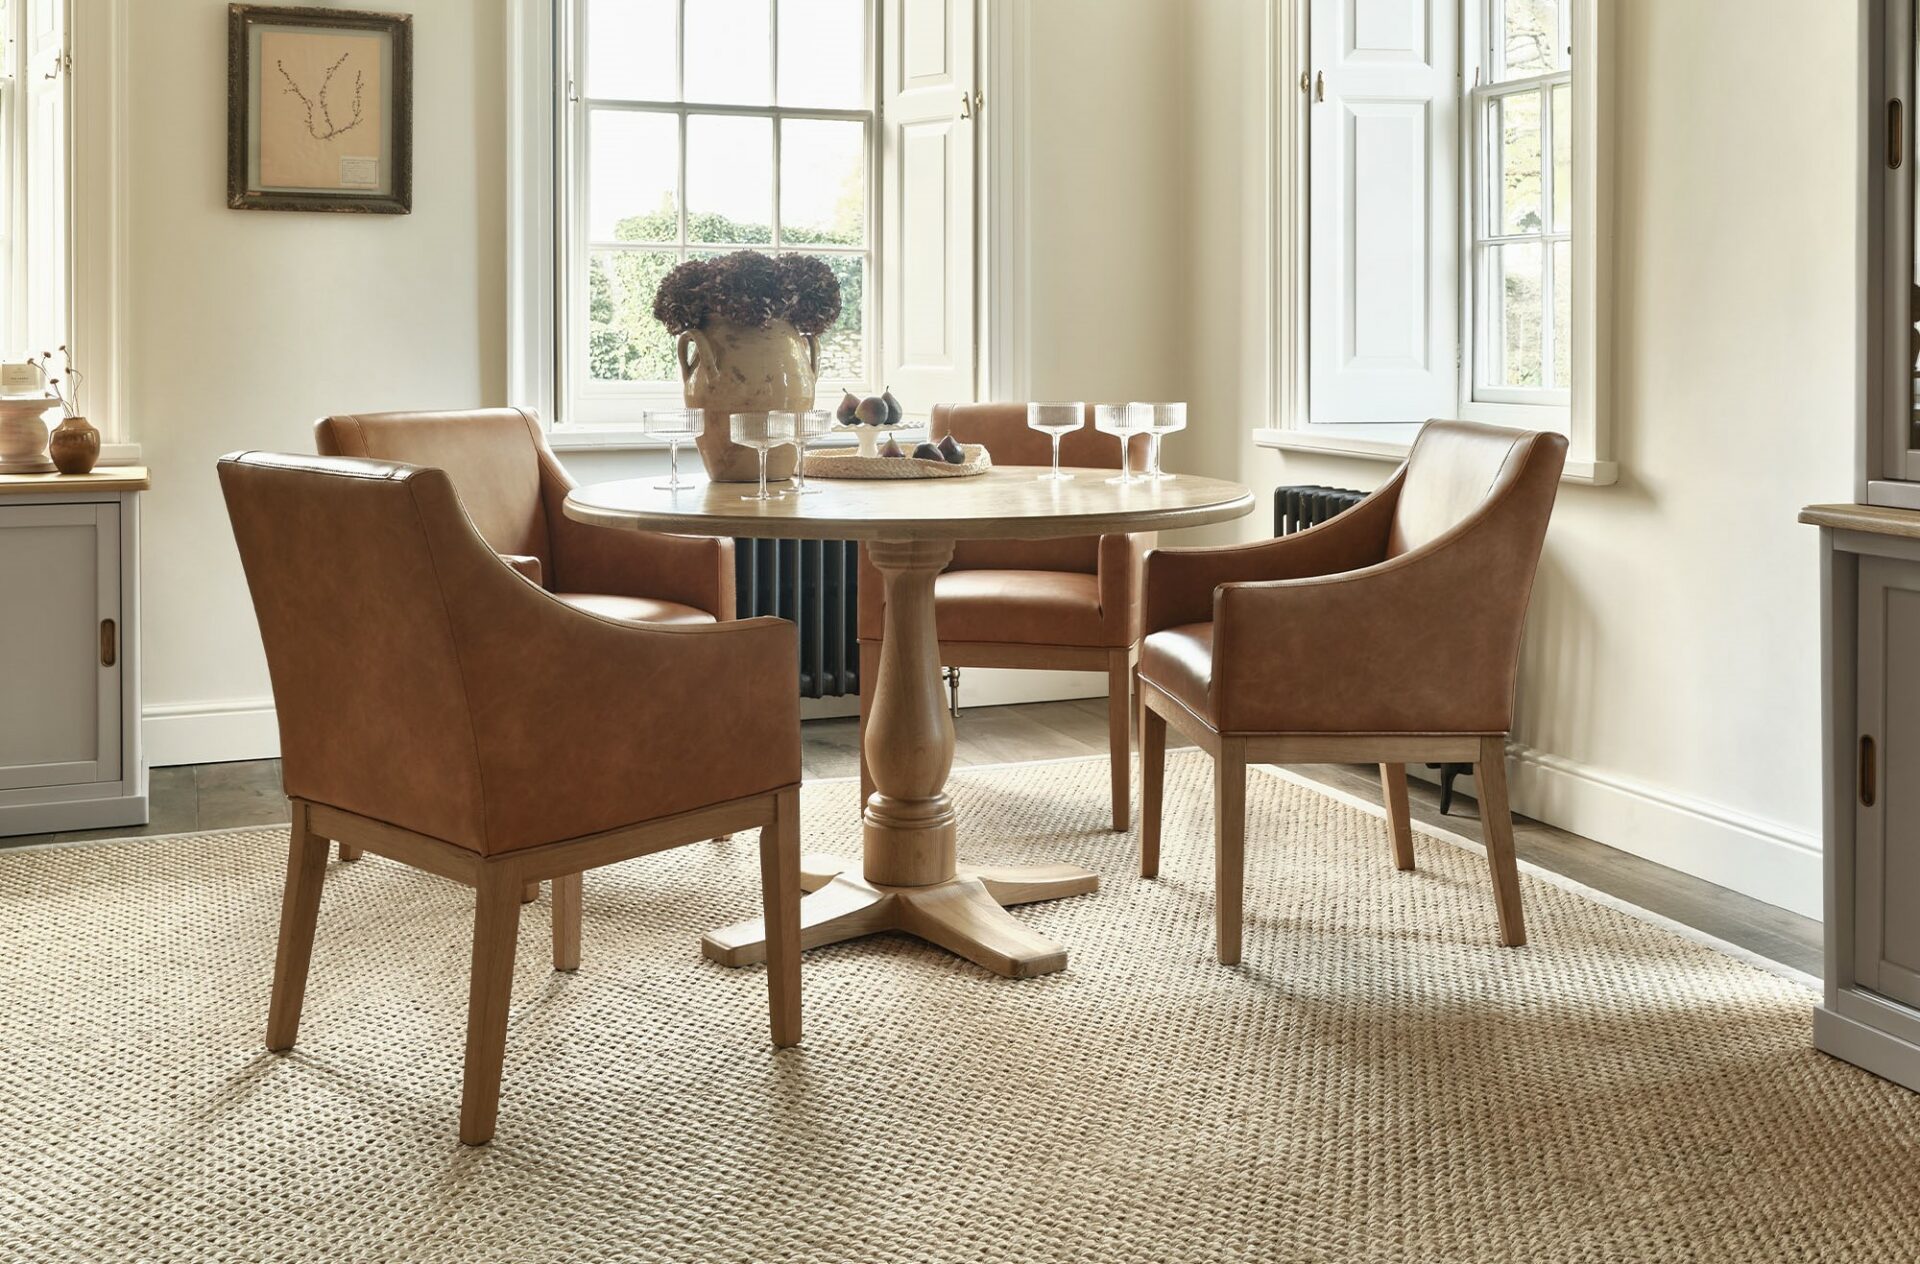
x=319 y=110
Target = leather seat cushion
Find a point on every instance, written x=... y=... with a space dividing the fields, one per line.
x=635 y=609
x=1180 y=661
x=1019 y=607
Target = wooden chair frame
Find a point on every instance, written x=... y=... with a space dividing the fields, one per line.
x=1392 y=751
x=499 y=882
x=1116 y=662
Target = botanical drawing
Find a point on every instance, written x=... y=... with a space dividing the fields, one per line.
x=323 y=106
x=324 y=128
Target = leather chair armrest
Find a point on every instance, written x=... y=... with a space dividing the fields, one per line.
x=1178 y=584
x=1122 y=559
x=1426 y=642
x=526 y=564
x=695 y=571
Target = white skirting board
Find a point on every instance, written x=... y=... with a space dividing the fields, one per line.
x=1764 y=859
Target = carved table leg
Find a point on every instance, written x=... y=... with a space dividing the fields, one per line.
x=910 y=877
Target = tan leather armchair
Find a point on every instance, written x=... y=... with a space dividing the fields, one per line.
x=513 y=489
x=1388 y=634
x=439 y=708
x=1060 y=605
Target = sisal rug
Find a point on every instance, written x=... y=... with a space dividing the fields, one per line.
x=1379 y=1081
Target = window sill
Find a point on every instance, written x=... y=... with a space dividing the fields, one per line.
x=1591 y=473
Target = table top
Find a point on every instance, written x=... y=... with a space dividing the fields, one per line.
x=107 y=478
x=1874 y=519
x=1008 y=502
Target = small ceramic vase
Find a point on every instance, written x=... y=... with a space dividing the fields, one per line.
x=74 y=446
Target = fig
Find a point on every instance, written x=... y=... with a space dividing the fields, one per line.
x=927 y=452
x=890 y=448
x=844 y=413
x=894 y=411
x=871 y=412
x=951 y=450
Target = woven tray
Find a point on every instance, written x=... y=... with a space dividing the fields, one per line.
x=852 y=465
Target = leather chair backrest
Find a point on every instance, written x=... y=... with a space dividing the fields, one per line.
x=340 y=558
x=1453 y=468
x=1002 y=429
x=491 y=454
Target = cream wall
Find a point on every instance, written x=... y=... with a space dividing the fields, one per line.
x=1669 y=687
x=246 y=325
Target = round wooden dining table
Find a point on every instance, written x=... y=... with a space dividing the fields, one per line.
x=911 y=879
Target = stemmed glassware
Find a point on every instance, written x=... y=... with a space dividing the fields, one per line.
x=762 y=432
x=676 y=426
x=1056 y=420
x=808 y=425
x=1118 y=421
x=1158 y=420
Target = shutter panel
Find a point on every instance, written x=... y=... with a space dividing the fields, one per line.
x=927 y=209
x=1384 y=200
x=45 y=230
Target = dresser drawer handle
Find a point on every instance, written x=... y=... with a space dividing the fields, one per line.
x=107 y=637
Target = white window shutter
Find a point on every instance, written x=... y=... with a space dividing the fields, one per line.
x=927 y=202
x=1384 y=163
x=45 y=76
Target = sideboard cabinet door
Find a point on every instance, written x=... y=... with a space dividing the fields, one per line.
x=59 y=652
x=1886 y=783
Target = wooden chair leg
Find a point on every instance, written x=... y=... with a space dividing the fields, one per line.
x=349 y=854
x=299 y=912
x=1393 y=793
x=1496 y=822
x=529 y=892
x=1229 y=845
x=780 y=894
x=496 y=933
x=1153 y=769
x=566 y=922
x=1119 y=720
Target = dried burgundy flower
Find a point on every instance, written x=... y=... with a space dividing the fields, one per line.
x=749 y=288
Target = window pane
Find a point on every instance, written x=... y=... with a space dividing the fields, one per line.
x=1518 y=319
x=1518 y=120
x=624 y=342
x=823 y=182
x=843 y=348
x=633 y=170
x=1530 y=39
x=630 y=49
x=1563 y=158
x=823 y=53
x=1562 y=314
x=729 y=58
x=729 y=179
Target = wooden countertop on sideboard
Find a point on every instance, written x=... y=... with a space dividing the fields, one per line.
x=110 y=478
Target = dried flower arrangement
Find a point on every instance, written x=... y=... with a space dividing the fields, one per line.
x=750 y=289
x=66 y=384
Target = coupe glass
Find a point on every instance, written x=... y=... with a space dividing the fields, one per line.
x=808 y=425
x=1117 y=420
x=1056 y=420
x=1158 y=420
x=762 y=432
x=676 y=426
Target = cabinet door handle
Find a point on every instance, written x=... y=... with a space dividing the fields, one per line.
x=108 y=652
x=1896 y=134
x=1869 y=774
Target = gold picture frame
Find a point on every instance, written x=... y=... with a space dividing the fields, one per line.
x=319 y=110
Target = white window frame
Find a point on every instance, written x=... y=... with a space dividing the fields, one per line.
x=582 y=412
x=1585 y=416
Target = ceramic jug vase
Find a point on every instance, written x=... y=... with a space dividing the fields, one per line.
x=727 y=368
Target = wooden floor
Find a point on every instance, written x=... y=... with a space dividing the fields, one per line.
x=217 y=796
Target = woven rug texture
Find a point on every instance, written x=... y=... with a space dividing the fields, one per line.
x=1378 y=1081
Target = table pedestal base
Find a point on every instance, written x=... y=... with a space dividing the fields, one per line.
x=964 y=914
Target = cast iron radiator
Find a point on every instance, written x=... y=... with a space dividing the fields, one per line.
x=815 y=584
x=1296 y=509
